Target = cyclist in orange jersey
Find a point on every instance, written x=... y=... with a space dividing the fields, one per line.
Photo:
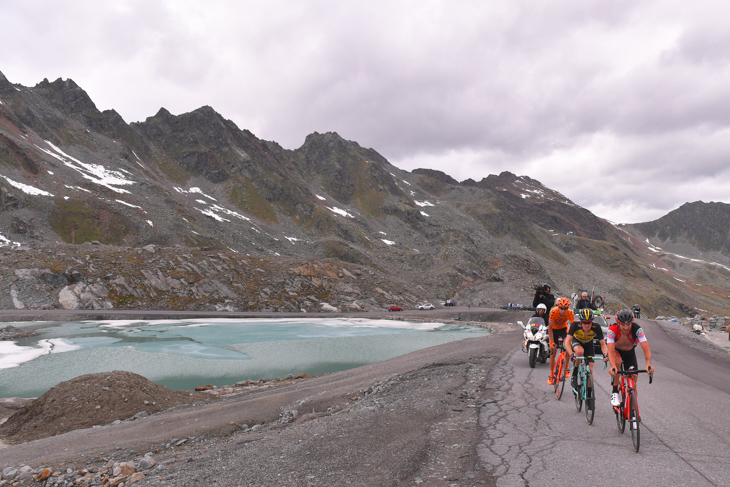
x=560 y=318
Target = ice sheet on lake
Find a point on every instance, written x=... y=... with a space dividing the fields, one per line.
x=263 y=359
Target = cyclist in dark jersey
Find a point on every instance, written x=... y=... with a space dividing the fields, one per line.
x=622 y=339
x=580 y=341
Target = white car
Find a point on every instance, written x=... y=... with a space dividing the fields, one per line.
x=425 y=306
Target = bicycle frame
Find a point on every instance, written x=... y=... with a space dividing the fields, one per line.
x=584 y=375
x=626 y=383
x=629 y=402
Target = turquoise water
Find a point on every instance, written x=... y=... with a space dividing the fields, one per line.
x=182 y=354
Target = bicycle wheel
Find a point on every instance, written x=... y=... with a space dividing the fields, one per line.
x=620 y=418
x=590 y=397
x=556 y=372
x=579 y=394
x=560 y=380
x=634 y=420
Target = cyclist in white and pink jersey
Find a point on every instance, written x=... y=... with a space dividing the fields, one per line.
x=621 y=341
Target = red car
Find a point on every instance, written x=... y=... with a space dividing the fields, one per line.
x=395 y=308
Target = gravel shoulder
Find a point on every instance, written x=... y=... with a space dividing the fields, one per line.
x=714 y=343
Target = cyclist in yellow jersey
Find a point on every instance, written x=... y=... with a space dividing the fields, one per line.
x=580 y=341
x=560 y=317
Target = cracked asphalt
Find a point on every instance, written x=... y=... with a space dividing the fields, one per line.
x=531 y=438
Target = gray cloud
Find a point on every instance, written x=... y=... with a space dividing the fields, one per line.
x=622 y=106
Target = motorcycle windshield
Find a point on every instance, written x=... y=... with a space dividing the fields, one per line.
x=537 y=321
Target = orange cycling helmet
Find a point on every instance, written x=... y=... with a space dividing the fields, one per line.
x=563 y=303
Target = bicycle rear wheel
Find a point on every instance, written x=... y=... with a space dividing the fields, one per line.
x=634 y=421
x=620 y=418
x=590 y=397
x=560 y=380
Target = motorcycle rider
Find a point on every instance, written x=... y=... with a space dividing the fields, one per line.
x=637 y=311
x=544 y=296
x=584 y=302
x=560 y=317
x=621 y=340
x=541 y=312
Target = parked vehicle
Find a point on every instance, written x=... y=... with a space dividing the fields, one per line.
x=450 y=302
x=536 y=340
x=395 y=308
x=425 y=306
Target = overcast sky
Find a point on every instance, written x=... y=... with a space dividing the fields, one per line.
x=621 y=105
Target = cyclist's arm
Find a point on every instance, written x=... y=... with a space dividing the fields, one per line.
x=647 y=355
x=611 y=355
x=568 y=349
x=604 y=349
x=550 y=332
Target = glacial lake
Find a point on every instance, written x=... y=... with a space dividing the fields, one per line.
x=182 y=354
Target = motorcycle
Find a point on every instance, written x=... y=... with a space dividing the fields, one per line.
x=536 y=340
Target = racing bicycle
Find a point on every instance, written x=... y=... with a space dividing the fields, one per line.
x=584 y=392
x=628 y=409
x=561 y=365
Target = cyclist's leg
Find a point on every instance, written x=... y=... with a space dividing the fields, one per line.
x=557 y=335
x=615 y=399
x=589 y=382
x=629 y=360
x=578 y=351
x=553 y=352
x=619 y=362
x=588 y=352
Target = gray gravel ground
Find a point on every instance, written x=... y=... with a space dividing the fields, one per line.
x=411 y=420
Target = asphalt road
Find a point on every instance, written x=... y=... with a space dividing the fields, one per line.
x=685 y=433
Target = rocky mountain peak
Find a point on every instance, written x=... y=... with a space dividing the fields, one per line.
x=66 y=95
x=5 y=85
x=699 y=224
x=437 y=175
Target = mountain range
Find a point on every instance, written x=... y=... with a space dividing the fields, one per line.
x=76 y=181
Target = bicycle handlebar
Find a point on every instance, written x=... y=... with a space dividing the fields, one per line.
x=627 y=373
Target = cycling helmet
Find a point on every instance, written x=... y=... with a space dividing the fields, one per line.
x=541 y=306
x=624 y=316
x=585 y=314
x=563 y=303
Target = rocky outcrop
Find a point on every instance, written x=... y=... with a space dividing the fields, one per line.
x=102 y=278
